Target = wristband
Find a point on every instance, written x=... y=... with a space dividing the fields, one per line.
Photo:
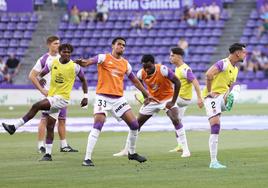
x=86 y=95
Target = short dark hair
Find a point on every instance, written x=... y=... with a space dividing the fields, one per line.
x=52 y=38
x=146 y=58
x=236 y=46
x=177 y=51
x=66 y=46
x=118 y=38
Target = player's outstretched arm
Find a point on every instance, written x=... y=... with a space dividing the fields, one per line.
x=85 y=62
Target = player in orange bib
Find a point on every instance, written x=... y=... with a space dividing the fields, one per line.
x=109 y=97
x=160 y=81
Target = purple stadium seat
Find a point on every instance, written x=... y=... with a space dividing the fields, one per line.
x=8 y=34
x=254 y=15
x=139 y=42
x=68 y=34
x=78 y=34
x=170 y=33
x=251 y=23
x=97 y=34
x=4 y=18
x=13 y=43
x=203 y=41
x=115 y=33
x=202 y=24
x=75 y=42
x=194 y=41
x=14 y=18
x=189 y=32
x=34 y=18
x=161 y=33
x=88 y=34
x=216 y=32
x=3 y=51
x=25 y=18
x=250 y=75
x=84 y=42
x=100 y=25
x=211 y=24
x=244 y=40
x=11 y=51
x=260 y=74
x=206 y=58
x=197 y=32
x=219 y=24
x=157 y=41
x=213 y=41
x=82 y=25
x=31 y=26
x=253 y=40
x=91 y=25
x=183 y=25
x=133 y=33
x=21 y=26
x=153 y=33
x=3 y=43
x=209 y=49
x=3 y=26
x=207 y=32
x=20 y=52
x=149 y=42
x=39 y=2
x=224 y=15
x=109 y=25
x=248 y=32
x=63 y=26
x=11 y=26
x=72 y=26
x=112 y=17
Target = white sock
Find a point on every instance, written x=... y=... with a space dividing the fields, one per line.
x=91 y=142
x=63 y=143
x=49 y=148
x=178 y=141
x=213 y=146
x=133 y=135
x=182 y=139
x=19 y=123
x=41 y=144
x=127 y=142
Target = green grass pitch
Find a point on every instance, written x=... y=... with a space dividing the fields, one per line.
x=244 y=153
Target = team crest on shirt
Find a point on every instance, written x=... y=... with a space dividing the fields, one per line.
x=115 y=73
x=154 y=87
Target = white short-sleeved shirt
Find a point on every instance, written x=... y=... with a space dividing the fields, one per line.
x=40 y=64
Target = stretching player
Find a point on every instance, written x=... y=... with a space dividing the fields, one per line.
x=63 y=74
x=219 y=79
x=111 y=70
x=53 y=43
x=188 y=80
x=160 y=81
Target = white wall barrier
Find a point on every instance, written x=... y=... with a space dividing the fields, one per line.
x=30 y=96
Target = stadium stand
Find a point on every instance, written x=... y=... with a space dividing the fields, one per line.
x=254 y=78
x=15 y=33
x=96 y=38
